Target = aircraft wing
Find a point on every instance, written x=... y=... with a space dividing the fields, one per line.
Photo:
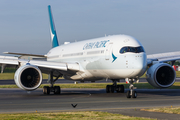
x=24 y=54
x=163 y=57
x=45 y=66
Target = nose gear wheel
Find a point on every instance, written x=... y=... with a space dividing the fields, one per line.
x=131 y=93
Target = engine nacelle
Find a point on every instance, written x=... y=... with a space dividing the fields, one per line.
x=161 y=75
x=28 y=77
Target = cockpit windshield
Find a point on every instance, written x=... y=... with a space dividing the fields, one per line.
x=132 y=49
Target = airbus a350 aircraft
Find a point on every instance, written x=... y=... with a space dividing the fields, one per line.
x=115 y=57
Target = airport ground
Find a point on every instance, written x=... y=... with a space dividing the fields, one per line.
x=16 y=100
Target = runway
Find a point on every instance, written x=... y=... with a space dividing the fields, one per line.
x=16 y=100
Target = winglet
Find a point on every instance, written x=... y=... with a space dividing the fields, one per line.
x=54 y=39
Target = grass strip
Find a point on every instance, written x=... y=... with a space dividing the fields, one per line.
x=173 y=110
x=85 y=115
x=100 y=85
x=10 y=76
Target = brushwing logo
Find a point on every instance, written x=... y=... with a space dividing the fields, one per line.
x=114 y=57
x=52 y=35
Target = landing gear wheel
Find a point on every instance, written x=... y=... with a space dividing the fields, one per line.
x=46 y=90
x=111 y=89
x=107 y=89
x=128 y=94
x=57 y=90
x=52 y=88
x=120 y=89
x=134 y=94
x=115 y=87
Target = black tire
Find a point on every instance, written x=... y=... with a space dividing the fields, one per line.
x=134 y=94
x=111 y=89
x=46 y=90
x=107 y=89
x=128 y=94
x=57 y=90
x=122 y=89
x=118 y=88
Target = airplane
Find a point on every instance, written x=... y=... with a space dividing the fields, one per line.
x=114 y=57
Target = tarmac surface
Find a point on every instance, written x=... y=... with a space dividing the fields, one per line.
x=19 y=101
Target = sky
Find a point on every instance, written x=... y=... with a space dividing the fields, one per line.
x=24 y=24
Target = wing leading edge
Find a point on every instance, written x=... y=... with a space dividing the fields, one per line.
x=46 y=66
x=24 y=54
x=163 y=57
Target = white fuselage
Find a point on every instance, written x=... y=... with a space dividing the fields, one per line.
x=101 y=58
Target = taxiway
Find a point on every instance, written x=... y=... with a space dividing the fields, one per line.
x=19 y=101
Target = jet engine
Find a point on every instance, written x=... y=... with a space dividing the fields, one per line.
x=28 y=77
x=161 y=75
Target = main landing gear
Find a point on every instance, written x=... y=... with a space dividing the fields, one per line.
x=115 y=87
x=52 y=88
x=131 y=93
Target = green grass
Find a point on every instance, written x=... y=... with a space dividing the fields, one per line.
x=6 y=76
x=9 y=70
x=10 y=76
x=100 y=85
x=84 y=115
x=173 y=110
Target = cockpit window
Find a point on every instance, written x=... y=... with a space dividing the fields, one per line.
x=132 y=49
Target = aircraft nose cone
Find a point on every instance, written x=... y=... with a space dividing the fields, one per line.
x=140 y=65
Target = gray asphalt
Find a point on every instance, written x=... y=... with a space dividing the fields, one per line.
x=19 y=101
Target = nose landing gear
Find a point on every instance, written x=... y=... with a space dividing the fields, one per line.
x=132 y=93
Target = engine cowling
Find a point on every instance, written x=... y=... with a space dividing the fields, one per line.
x=28 y=77
x=161 y=75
